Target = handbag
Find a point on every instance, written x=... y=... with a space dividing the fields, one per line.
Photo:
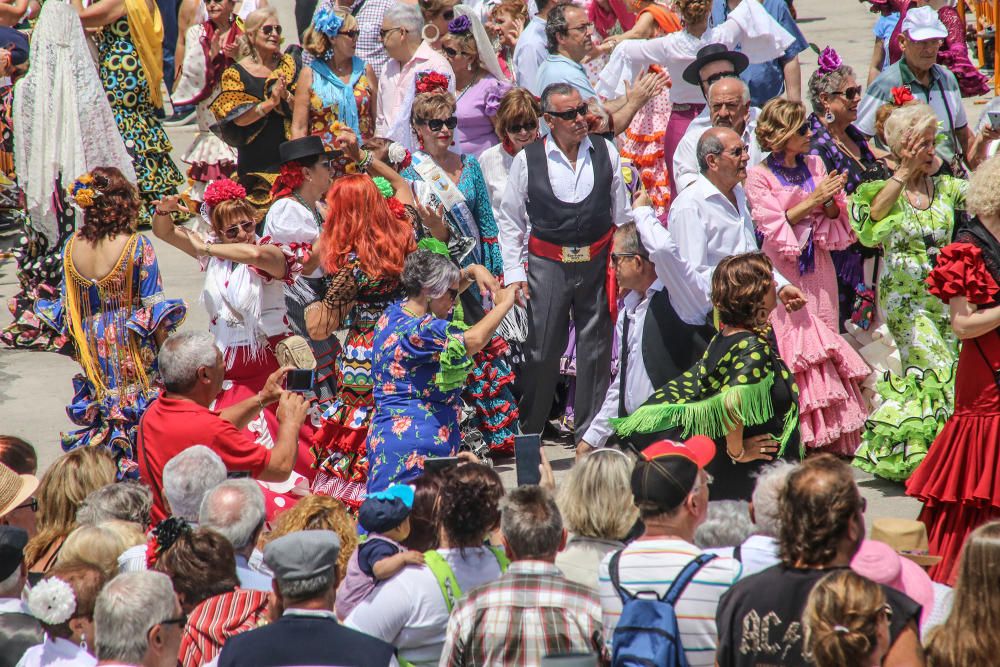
x=863 y=308
x=295 y=351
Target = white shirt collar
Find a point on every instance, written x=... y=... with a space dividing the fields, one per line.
x=632 y=299
x=312 y=613
x=552 y=149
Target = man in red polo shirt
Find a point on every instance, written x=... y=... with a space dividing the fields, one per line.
x=192 y=370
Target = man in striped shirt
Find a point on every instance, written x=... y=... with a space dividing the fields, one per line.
x=532 y=610
x=670 y=487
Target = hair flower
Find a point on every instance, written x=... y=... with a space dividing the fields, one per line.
x=221 y=190
x=82 y=192
x=52 y=601
x=429 y=82
x=459 y=25
x=397 y=208
x=327 y=22
x=399 y=155
x=384 y=186
x=829 y=61
x=163 y=537
x=901 y=95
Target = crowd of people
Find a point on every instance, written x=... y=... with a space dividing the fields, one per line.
x=433 y=231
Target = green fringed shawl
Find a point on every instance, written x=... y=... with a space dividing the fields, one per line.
x=712 y=400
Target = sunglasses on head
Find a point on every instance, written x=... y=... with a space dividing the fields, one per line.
x=529 y=126
x=350 y=34
x=246 y=227
x=849 y=93
x=454 y=53
x=570 y=114
x=718 y=77
x=271 y=28
x=435 y=124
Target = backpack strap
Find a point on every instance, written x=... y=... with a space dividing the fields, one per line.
x=616 y=579
x=445 y=576
x=685 y=577
x=501 y=557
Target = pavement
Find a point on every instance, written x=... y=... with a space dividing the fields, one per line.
x=35 y=387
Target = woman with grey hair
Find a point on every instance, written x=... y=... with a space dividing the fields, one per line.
x=421 y=360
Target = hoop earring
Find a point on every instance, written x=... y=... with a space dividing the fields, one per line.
x=423 y=33
x=760 y=321
x=828 y=116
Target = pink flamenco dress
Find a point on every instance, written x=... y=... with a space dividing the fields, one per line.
x=827 y=370
x=959 y=479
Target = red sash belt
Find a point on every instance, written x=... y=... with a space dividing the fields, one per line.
x=578 y=254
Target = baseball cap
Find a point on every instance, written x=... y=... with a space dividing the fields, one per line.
x=923 y=23
x=668 y=470
x=384 y=510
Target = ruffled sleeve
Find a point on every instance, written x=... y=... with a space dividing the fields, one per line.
x=296 y=254
x=770 y=202
x=961 y=271
x=871 y=232
x=441 y=342
x=495 y=90
x=156 y=310
x=831 y=233
x=751 y=28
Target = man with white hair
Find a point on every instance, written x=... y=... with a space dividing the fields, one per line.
x=760 y=551
x=728 y=106
x=138 y=621
x=235 y=510
x=192 y=370
x=188 y=477
x=408 y=55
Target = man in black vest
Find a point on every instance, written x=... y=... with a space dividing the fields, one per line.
x=308 y=633
x=656 y=344
x=569 y=189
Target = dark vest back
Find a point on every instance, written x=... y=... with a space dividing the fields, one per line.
x=670 y=345
x=565 y=223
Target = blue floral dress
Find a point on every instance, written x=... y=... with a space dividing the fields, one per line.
x=112 y=322
x=414 y=418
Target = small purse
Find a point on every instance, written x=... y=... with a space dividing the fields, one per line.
x=295 y=351
x=863 y=308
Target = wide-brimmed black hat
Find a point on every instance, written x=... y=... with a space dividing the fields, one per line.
x=709 y=54
x=297 y=149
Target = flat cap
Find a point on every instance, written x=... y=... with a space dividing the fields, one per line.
x=303 y=554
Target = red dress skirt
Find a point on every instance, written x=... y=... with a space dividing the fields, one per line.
x=959 y=479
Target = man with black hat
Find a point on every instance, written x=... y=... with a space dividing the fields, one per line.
x=670 y=488
x=19 y=630
x=305 y=586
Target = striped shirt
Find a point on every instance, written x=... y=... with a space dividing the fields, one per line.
x=528 y=613
x=217 y=619
x=652 y=565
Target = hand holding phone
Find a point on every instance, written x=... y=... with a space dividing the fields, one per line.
x=300 y=380
x=528 y=456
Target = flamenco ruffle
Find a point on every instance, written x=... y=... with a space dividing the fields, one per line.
x=914 y=409
x=496 y=410
x=340 y=454
x=210 y=158
x=961 y=271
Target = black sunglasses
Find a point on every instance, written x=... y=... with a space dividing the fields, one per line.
x=448 y=14
x=350 y=34
x=382 y=34
x=803 y=129
x=32 y=503
x=180 y=620
x=452 y=293
x=848 y=93
x=454 y=53
x=435 y=124
x=246 y=226
x=268 y=29
x=718 y=77
x=530 y=126
x=214 y=2
x=570 y=114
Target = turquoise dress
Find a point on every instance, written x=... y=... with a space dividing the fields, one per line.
x=112 y=323
x=418 y=372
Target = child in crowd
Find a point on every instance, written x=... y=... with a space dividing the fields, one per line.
x=385 y=516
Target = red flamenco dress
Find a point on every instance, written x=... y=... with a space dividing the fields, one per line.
x=958 y=479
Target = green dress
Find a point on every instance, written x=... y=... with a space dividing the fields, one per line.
x=915 y=406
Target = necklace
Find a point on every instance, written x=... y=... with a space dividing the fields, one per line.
x=916 y=199
x=466 y=87
x=796 y=175
x=409 y=312
x=311 y=209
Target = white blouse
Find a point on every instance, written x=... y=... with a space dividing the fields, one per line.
x=495 y=163
x=57 y=653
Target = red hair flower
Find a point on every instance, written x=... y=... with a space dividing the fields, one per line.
x=396 y=207
x=290 y=175
x=221 y=190
x=901 y=95
x=430 y=82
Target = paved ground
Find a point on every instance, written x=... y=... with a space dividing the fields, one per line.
x=35 y=387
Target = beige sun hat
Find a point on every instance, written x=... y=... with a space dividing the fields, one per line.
x=14 y=489
x=907 y=537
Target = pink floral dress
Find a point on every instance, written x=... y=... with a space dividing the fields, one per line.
x=827 y=369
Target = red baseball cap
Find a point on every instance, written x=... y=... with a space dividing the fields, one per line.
x=668 y=470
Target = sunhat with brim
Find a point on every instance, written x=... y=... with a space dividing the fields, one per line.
x=907 y=537
x=880 y=563
x=14 y=489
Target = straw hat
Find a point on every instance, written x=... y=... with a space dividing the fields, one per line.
x=907 y=537
x=14 y=489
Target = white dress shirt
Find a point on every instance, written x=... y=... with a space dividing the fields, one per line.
x=396 y=85
x=495 y=164
x=529 y=52
x=686 y=155
x=703 y=228
x=569 y=184
x=638 y=386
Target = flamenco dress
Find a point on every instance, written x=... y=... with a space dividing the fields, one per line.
x=112 y=323
x=958 y=480
x=915 y=405
x=827 y=369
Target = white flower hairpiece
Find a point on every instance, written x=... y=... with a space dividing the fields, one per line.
x=52 y=601
x=397 y=153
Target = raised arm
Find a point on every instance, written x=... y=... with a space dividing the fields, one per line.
x=101 y=13
x=300 y=112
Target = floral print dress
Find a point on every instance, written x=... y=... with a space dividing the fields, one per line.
x=414 y=418
x=914 y=407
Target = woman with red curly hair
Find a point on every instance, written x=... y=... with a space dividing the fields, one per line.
x=113 y=308
x=245 y=281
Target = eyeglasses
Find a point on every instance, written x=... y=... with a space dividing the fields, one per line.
x=435 y=124
x=32 y=503
x=530 y=126
x=848 y=93
x=718 y=76
x=739 y=151
x=180 y=620
x=215 y=2
x=452 y=293
x=382 y=34
x=585 y=27
x=803 y=129
x=349 y=34
x=246 y=227
x=618 y=256
x=454 y=53
x=570 y=114
x=271 y=28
